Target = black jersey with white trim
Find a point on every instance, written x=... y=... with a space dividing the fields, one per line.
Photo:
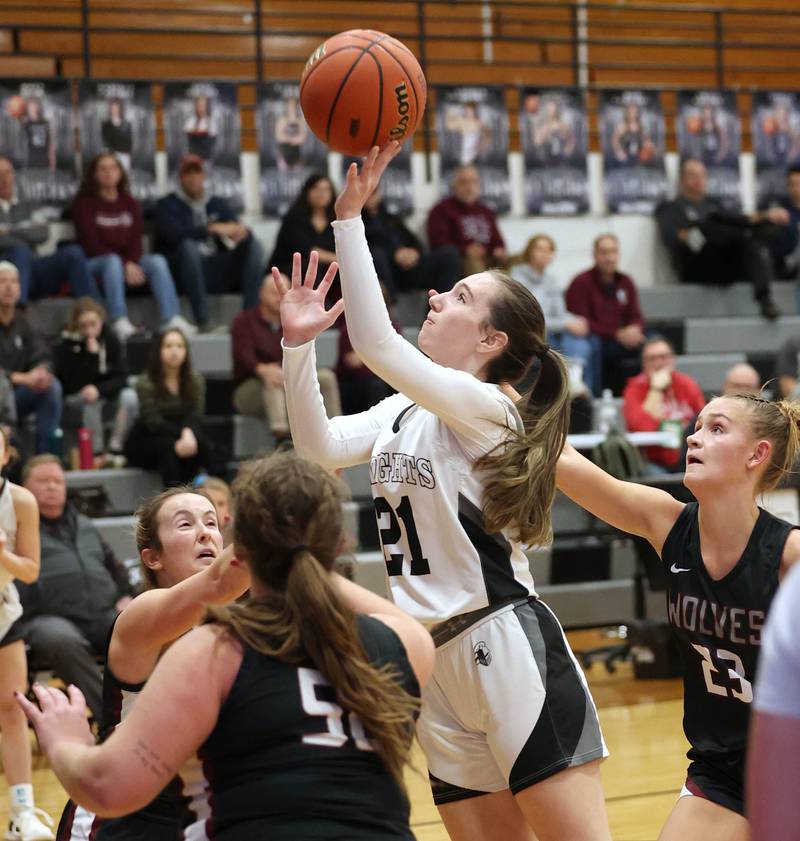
x=718 y=624
x=285 y=761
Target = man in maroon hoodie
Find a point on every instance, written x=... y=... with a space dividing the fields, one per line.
x=464 y=222
x=608 y=300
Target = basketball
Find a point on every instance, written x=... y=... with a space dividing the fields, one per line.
x=15 y=106
x=361 y=89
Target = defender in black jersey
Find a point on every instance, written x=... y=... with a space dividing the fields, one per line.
x=180 y=545
x=724 y=557
x=303 y=707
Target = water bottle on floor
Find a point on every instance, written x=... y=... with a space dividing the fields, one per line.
x=607 y=413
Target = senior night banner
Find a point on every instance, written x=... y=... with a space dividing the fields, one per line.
x=36 y=134
x=202 y=118
x=472 y=130
x=776 y=142
x=288 y=152
x=118 y=117
x=632 y=140
x=708 y=131
x=554 y=135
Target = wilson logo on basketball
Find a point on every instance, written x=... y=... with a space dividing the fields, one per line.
x=401 y=95
x=315 y=57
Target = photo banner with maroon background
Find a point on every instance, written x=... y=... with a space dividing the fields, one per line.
x=202 y=118
x=708 y=130
x=119 y=117
x=554 y=135
x=288 y=151
x=472 y=129
x=776 y=142
x=36 y=134
x=632 y=137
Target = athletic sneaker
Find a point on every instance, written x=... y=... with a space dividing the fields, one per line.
x=123 y=329
x=26 y=826
x=769 y=309
x=178 y=322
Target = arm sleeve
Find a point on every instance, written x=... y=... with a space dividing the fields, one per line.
x=778 y=683
x=150 y=413
x=38 y=349
x=497 y=240
x=463 y=402
x=633 y=312
x=243 y=347
x=116 y=570
x=670 y=220
x=195 y=418
x=338 y=442
x=636 y=418
x=86 y=229
x=133 y=251
x=577 y=300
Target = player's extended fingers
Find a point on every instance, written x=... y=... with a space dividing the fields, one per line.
x=311 y=271
x=385 y=157
x=325 y=283
x=76 y=697
x=280 y=283
x=28 y=707
x=335 y=311
x=297 y=270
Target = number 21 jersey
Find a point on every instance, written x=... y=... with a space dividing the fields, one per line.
x=719 y=626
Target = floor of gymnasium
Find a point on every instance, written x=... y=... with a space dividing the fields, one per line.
x=641 y=722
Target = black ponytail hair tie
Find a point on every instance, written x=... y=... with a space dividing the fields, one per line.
x=545 y=349
x=293 y=553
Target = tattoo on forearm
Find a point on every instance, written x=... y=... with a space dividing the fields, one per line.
x=151 y=760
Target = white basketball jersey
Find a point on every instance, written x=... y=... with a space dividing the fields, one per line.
x=440 y=560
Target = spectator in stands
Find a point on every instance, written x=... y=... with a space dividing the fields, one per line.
x=306 y=227
x=168 y=434
x=258 y=365
x=607 y=299
x=660 y=397
x=787 y=367
x=464 y=222
x=567 y=333
x=21 y=232
x=742 y=378
x=401 y=261
x=25 y=358
x=68 y=612
x=108 y=224
x=709 y=244
x=202 y=238
x=91 y=366
x=786 y=246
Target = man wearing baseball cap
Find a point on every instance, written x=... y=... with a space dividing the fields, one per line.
x=201 y=236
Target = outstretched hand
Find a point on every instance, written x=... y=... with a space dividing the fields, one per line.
x=58 y=718
x=359 y=186
x=303 y=313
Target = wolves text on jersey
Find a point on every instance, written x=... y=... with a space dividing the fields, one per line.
x=400 y=467
x=732 y=624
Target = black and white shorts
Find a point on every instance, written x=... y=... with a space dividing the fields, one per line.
x=507 y=706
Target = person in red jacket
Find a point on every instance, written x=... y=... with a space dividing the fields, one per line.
x=658 y=397
x=108 y=226
x=464 y=222
x=608 y=300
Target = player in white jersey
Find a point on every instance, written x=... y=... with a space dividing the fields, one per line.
x=460 y=478
x=19 y=558
x=185 y=567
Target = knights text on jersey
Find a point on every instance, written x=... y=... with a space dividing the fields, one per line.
x=440 y=560
x=719 y=625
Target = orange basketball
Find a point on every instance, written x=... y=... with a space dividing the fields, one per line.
x=360 y=89
x=15 y=106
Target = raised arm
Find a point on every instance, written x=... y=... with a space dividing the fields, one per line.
x=638 y=509
x=457 y=397
x=158 y=617
x=23 y=562
x=336 y=442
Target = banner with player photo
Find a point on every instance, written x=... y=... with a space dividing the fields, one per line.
x=396 y=187
x=708 y=131
x=632 y=138
x=119 y=117
x=776 y=142
x=555 y=140
x=202 y=118
x=472 y=130
x=36 y=134
x=288 y=152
